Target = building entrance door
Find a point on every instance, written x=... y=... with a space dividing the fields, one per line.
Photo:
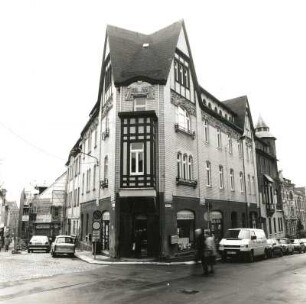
x=140 y=236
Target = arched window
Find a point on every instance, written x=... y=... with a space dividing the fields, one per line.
x=204 y=101
x=190 y=167
x=216 y=109
x=206 y=131
x=179 y=164
x=221 y=177
x=232 y=179
x=209 y=105
x=208 y=174
x=219 y=138
x=230 y=144
x=220 y=112
x=185 y=172
x=241 y=182
x=183 y=119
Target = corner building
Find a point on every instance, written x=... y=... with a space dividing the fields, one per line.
x=172 y=157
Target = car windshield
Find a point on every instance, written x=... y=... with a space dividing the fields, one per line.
x=62 y=240
x=237 y=234
x=37 y=238
x=283 y=241
x=269 y=241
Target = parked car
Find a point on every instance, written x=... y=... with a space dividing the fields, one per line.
x=245 y=243
x=287 y=247
x=63 y=244
x=39 y=242
x=298 y=245
x=273 y=248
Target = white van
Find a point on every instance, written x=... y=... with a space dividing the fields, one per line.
x=245 y=243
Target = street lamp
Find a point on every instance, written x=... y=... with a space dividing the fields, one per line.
x=76 y=151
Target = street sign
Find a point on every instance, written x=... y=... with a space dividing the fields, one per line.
x=96 y=235
x=96 y=225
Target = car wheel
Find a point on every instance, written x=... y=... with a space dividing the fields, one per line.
x=251 y=256
x=29 y=251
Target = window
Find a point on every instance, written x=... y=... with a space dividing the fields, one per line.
x=253 y=185
x=247 y=152
x=105 y=167
x=78 y=197
x=206 y=131
x=219 y=138
x=179 y=165
x=232 y=179
x=270 y=226
x=183 y=119
x=241 y=182
x=208 y=174
x=83 y=183
x=251 y=154
x=88 y=180
x=185 y=166
x=230 y=144
x=89 y=142
x=240 y=149
x=221 y=177
x=96 y=137
x=140 y=104
x=274 y=224
x=249 y=184
x=181 y=74
x=94 y=177
x=137 y=158
x=190 y=167
x=108 y=81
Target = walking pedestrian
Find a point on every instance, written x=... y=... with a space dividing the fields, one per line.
x=1 y=242
x=201 y=249
x=6 y=243
x=210 y=252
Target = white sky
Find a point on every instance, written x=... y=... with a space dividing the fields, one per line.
x=50 y=60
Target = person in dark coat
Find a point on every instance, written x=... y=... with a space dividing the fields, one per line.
x=7 y=242
x=201 y=250
x=210 y=251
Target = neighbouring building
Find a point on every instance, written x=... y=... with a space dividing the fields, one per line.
x=13 y=218
x=299 y=196
x=42 y=209
x=271 y=207
x=289 y=206
x=159 y=156
x=3 y=212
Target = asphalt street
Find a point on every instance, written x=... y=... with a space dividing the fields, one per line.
x=277 y=280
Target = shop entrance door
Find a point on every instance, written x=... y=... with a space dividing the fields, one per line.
x=140 y=236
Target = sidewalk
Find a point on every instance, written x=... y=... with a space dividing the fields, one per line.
x=88 y=257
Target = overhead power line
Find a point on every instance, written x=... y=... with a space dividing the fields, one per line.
x=29 y=143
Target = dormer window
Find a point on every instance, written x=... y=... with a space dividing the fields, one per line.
x=181 y=73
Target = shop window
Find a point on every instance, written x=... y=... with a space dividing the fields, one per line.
x=105 y=230
x=234 y=219
x=185 y=229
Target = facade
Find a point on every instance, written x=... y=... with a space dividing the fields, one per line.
x=289 y=206
x=299 y=197
x=3 y=213
x=42 y=209
x=271 y=207
x=12 y=218
x=159 y=156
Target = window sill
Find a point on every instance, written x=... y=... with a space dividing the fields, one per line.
x=186 y=182
x=180 y=129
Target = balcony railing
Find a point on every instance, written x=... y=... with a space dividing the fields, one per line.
x=104 y=183
x=181 y=129
x=186 y=182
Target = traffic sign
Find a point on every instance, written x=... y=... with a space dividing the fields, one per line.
x=96 y=225
x=96 y=235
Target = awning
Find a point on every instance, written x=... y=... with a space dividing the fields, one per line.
x=185 y=215
x=269 y=178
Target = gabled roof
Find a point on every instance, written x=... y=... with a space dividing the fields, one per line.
x=132 y=60
x=240 y=105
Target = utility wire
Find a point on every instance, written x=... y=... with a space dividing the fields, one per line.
x=29 y=143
